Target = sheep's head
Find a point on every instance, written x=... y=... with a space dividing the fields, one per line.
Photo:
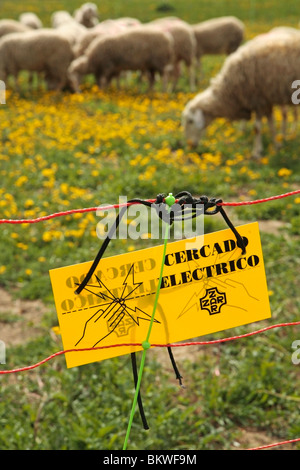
x=77 y=69
x=90 y=14
x=194 y=123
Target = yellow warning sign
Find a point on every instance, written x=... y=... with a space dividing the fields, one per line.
x=207 y=286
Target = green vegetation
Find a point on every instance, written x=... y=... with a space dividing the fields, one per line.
x=61 y=152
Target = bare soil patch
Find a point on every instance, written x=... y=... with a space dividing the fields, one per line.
x=20 y=320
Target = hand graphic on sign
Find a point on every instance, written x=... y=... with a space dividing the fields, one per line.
x=237 y=295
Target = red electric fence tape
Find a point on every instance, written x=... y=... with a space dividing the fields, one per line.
x=116 y=206
x=202 y=343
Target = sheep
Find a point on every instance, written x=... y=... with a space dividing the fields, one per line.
x=42 y=51
x=60 y=17
x=127 y=21
x=87 y=15
x=31 y=20
x=66 y=25
x=138 y=49
x=290 y=31
x=254 y=79
x=184 y=46
x=73 y=32
x=106 y=28
x=12 y=26
x=284 y=29
x=217 y=36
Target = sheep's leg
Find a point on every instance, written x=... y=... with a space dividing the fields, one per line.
x=284 y=121
x=165 y=76
x=258 y=145
x=165 y=81
x=198 y=71
x=31 y=80
x=192 y=76
x=151 y=80
x=58 y=84
x=273 y=131
x=176 y=74
x=17 y=85
x=295 y=118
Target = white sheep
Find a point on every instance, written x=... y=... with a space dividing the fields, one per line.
x=60 y=17
x=284 y=109
x=128 y=21
x=66 y=25
x=87 y=15
x=184 y=46
x=221 y=35
x=12 y=26
x=254 y=79
x=31 y=20
x=105 y=28
x=43 y=51
x=284 y=29
x=138 y=49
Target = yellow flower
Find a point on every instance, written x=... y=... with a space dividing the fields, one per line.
x=28 y=272
x=41 y=259
x=284 y=172
x=56 y=330
x=252 y=192
x=21 y=180
x=2 y=269
x=47 y=236
x=29 y=203
x=297 y=200
x=23 y=246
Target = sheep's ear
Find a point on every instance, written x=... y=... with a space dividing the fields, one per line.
x=199 y=119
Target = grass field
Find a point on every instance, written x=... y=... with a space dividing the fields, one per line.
x=65 y=151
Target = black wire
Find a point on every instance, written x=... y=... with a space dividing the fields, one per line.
x=208 y=207
x=240 y=240
x=140 y=403
x=106 y=243
x=177 y=373
x=211 y=207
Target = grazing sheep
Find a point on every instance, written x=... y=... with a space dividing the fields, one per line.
x=254 y=79
x=66 y=25
x=12 y=26
x=106 y=28
x=73 y=32
x=87 y=15
x=217 y=36
x=128 y=21
x=284 y=29
x=138 y=49
x=43 y=51
x=284 y=109
x=184 y=46
x=60 y=17
x=31 y=20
